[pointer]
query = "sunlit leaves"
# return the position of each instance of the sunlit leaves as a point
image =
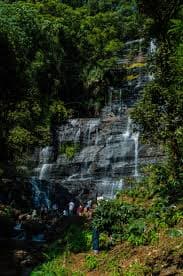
(20, 138)
(159, 111)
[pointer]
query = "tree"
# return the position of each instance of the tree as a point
(159, 111)
(55, 53)
(30, 54)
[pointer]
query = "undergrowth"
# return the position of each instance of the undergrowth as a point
(144, 216)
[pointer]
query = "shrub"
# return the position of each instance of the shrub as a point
(136, 269)
(138, 232)
(69, 149)
(52, 268)
(91, 262)
(77, 239)
(112, 216)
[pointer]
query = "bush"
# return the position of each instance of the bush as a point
(112, 216)
(91, 262)
(77, 239)
(138, 214)
(136, 269)
(69, 149)
(138, 232)
(52, 268)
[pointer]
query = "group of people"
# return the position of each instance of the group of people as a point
(53, 213)
(72, 208)
(81, 210)
(86, 211)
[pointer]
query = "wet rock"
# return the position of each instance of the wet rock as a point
(106, 148)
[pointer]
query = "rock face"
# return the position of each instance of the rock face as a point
(106, 150)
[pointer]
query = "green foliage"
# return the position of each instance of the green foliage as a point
(138, 213)
(91, 262)
(70, 152)
(54, 51)
(77, 239)
(7, 212)
(163, 97)
(175, 232)
(160, 12)
(136, 269)
(19, 138)
(29, 43)
(51, 269)
(112, 211)
(138, 232)
(104, 241)
(69, 149)
(55, 268)
(158, 180)
(58, 112)
(113, 266)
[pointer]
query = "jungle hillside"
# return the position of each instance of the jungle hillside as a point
(81, 82)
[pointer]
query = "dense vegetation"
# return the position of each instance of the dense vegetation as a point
(57, 59)
(146, 232)
(159, 111)
(54, 52)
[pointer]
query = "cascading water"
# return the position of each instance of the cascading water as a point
(40, 194)
(152, 48)
(135, 137)
(127, 133)
(152, 51)
(109, 150)
(41, 189)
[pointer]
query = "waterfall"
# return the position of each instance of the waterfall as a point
(110, 187)
(116, 186)
(152, 47)
(77, 136)
(121, 102)
(97, 136)
(109, 150)
(150, 76)
(40, 190)
(40, 194)
(45, 155)
(152, 51)
(91, 127)
(127, 133)
(110, 98)
(89, 133)
(44, 171)
(135, 137)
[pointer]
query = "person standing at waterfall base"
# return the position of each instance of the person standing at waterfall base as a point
(71, 208)
(95, 240)
(80, 210)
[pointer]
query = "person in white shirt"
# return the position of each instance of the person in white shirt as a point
(65, 213)
(71, 208)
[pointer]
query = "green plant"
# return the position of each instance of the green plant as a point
(91, 262)
(69, 149)
(113, 216)
(175, 232)
(77, 239)
(77, 273)
(8, 211)
(51, 268)
(140, 232)
(104, 241)
(136, 269)
(113, 267)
